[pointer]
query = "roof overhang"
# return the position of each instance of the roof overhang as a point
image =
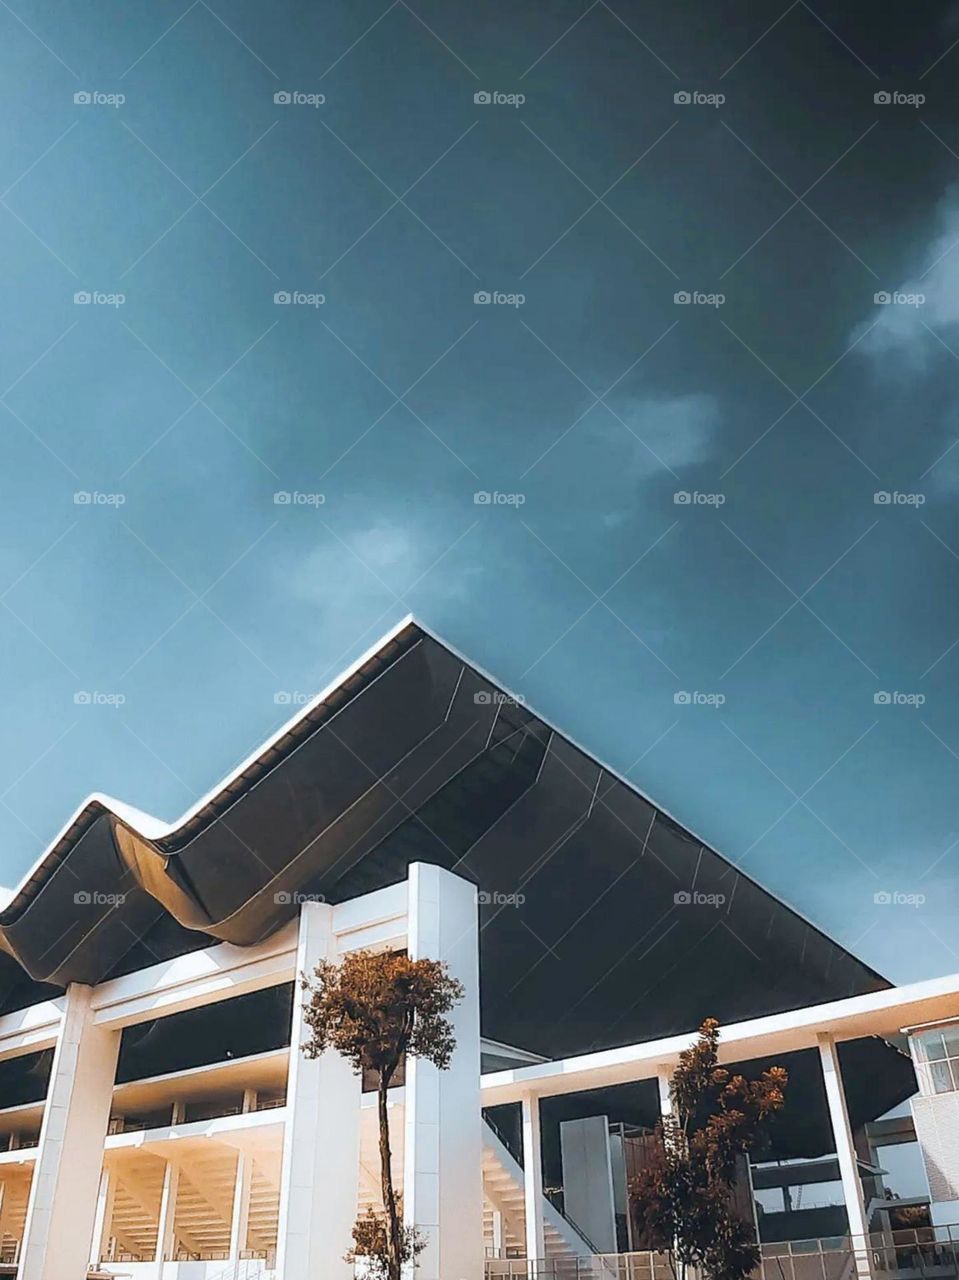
(415, 754)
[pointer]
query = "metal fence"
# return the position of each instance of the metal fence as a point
(913, 1254)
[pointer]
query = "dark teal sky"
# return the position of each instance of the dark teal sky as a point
(187, 602)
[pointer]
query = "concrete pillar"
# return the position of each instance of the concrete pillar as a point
(846, 1154)
(166, 1225)
(442, 1175)
(104, 1217)
(533, 1179)
(62, 1208)
(240, 1220)
(497, 1233)
(321, 1142)
(588, 1198)
(664, 1079)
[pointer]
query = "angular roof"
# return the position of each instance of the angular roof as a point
(414, 754)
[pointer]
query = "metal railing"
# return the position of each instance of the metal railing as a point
(912, 1254)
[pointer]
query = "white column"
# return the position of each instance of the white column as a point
(321, 1142)
(101, 1224)
(240, 1220)
(846, 1153)
(62, 1208)
(664, 1079)
(166, 1234)
(533, 1179)
(443, 1159)
(497, 1233)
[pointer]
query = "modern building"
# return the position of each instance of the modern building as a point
(158, 1120)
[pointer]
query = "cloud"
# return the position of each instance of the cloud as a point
(929, 299)
(676, 430)
(662, 434)
(370, 567)
(663, 431)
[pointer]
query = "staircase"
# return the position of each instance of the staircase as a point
(503, 1192)
(503, 1188)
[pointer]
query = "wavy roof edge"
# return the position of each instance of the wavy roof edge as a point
(357, 676)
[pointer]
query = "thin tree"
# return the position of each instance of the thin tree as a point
(683, 1200)
(377, 1009)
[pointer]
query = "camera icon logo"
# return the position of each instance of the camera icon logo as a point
(483, 898)
(682, 498)
(882, 699)
(483, 98)
(282, 498)
(682, 299)
(82, 98)
(482, 298)
(882, 899)
(682, 698)
(683, 98)
(882, 98)
(882, 298)
(682, 898)
(482, 499)
(282, 899)
(82, 898)
(282, 299)
(82, 298)
(282, 698)
(283, 98)
(882, 499)
(82, 699)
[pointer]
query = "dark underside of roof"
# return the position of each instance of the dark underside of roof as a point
(417, 757)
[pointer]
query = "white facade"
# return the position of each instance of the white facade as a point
(274, 1185)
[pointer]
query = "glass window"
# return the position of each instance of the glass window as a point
(950, 1036)
(941, 1077)
(931, 1046)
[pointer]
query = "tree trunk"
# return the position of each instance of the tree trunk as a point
(394, 1228)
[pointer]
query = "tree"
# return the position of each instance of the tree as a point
(682, 1201)
(376, 1009)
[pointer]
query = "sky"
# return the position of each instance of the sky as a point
(617, 342)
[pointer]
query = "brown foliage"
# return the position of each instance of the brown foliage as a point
(682, 1201)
